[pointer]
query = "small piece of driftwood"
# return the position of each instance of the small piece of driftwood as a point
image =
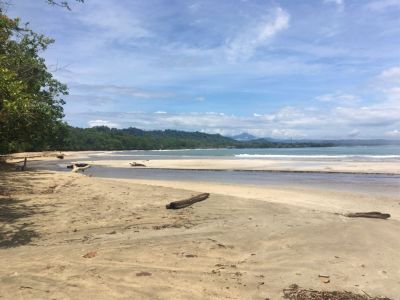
(78, 167)
(187, 202)
(61, 156)
(23, 167)
(135, 164)
(371, 214)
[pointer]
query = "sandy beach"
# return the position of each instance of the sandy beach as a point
(70, 236)
(202, 150)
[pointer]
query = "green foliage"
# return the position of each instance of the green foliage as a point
(104, 138)
(30, 98)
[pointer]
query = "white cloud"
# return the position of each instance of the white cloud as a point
(112, 90)
(380, 5)
(243, 46)
(391, 75)
(109, 124)
(370, 116)
(338, 122)
(388, 82)
(393, 133)
(354, 133)
(113, 20)
(351, 117)
(393, 95)
(339, 3)
(337, 97)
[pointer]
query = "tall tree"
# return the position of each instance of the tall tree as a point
(30, 97)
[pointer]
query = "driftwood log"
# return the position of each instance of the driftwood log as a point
(78, 167)
(135, 164)
(371, 214)
(187, 202)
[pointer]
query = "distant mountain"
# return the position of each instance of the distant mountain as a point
(244, 136)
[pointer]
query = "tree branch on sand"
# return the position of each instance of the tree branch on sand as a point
(371, 214)
(187, 202)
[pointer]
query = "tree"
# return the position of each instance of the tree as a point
(30, 98)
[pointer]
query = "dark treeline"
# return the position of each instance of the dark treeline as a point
(104, 138)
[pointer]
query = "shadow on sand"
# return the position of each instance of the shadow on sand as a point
(15, 227)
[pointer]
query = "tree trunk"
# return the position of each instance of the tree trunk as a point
(187, 202)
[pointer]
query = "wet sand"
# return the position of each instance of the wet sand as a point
(306, 164)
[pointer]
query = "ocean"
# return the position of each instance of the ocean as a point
(377, 153)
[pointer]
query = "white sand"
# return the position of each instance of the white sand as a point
(296, 165)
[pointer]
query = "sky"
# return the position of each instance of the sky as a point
(318, 69)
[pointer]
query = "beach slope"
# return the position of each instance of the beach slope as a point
(67, 236)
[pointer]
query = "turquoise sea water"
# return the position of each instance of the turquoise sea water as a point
(345, 152)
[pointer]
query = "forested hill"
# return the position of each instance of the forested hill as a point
(104, 138)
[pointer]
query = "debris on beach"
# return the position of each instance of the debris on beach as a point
(78, 167)
(90, 254)
(324, 278)
(294, 292)
(372, 214)
(135, 164)
(23, 167)
(143, 274)
(187, 202)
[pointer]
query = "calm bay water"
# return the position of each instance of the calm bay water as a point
(388, 185)
(362, 183)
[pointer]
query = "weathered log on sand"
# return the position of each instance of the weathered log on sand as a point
(371, 214)
(135, 164)
(76, 168)
(187, 202)
(79, 165)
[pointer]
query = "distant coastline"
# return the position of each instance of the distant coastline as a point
(104, 138)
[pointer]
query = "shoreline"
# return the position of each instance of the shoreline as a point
(265, 165)
(298, 165)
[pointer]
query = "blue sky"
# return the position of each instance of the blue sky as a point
(301, 69)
